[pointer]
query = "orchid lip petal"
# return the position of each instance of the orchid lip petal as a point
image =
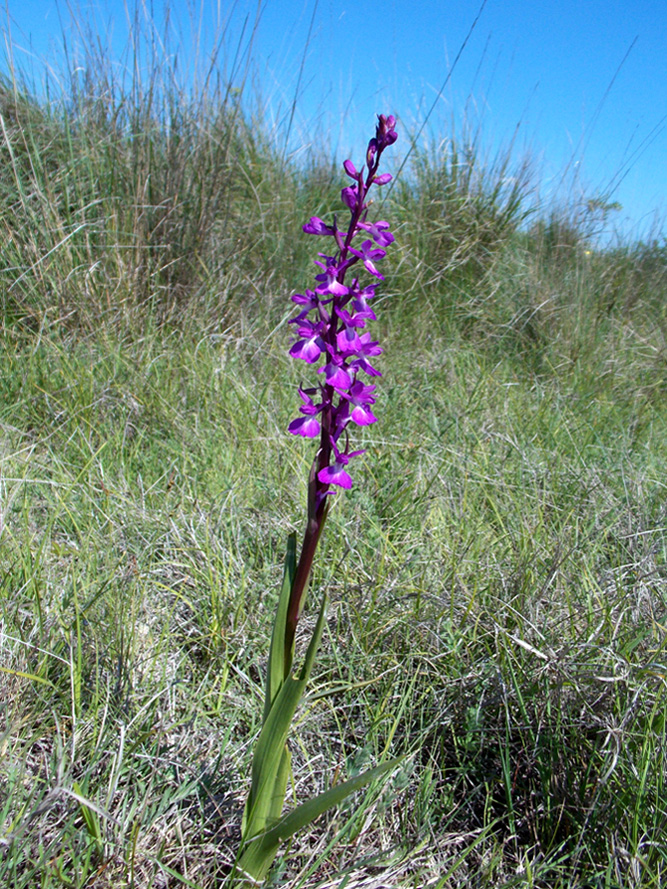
(306, 426)
(338, 477)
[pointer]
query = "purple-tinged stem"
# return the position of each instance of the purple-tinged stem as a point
(318, 507)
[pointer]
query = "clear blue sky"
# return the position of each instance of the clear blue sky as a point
(585, 82)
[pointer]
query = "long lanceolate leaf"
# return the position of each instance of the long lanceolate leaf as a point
(275, 677)
(267, 773)
(278, 669)
(259, 854)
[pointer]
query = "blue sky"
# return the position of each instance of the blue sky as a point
(580, 86)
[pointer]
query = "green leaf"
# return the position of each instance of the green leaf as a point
(314, 643)
(258, 856)
(277, 670)
(271, 742)
(280, 786)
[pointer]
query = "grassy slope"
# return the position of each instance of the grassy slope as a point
(497, 575)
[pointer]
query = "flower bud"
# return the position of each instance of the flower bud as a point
(317, 226)
(349, 196)
(350, 169)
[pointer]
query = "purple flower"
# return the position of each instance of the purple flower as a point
(369, 254)
(366, 366)
(356, 320)
(385, 133)
(336, 473)
(329, 282)
(317, 227)
(309, 299)
(347, 341)
(307, 425)
(335, 371)
(368, 347)
(311, 346)
(359, 399)
(360, 301)
(350, 169)
(379, 231)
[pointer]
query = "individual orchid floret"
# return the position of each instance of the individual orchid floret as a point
(336, 474)
(385, 133)
(317, 227)
(307, 425)
(308, 299)
(348, 341)
(379, 231)
(362, 313)
(329, 282)
(366, 348)
(351, 170)
(362, 364)
(336, 372)
(312, 345)
(360, 301)
(356, 320)
(359, 399)
(369, 254)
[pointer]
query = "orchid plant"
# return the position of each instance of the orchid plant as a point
(330, 328)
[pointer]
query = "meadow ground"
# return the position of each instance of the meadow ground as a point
(497, 575)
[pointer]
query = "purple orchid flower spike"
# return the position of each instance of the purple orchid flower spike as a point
(330, 331)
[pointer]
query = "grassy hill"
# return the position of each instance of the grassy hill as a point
(497, 575)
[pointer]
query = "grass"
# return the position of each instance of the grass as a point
(497, 575)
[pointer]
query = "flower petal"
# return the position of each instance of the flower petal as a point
(309, 427)
(335, 475)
